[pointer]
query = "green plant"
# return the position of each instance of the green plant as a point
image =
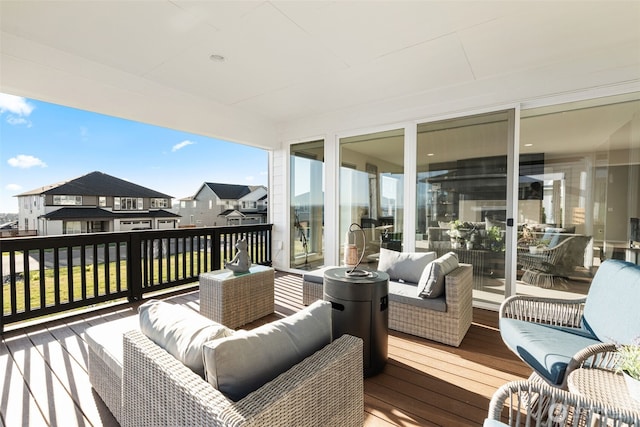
(629, 359)
(494, 238)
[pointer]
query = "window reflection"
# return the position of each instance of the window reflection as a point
(372, 189)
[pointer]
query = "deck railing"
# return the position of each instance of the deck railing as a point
(47, 275)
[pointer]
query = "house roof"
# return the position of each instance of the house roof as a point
(102, 214)
(96, 184)
(228, 191)
(231, 212)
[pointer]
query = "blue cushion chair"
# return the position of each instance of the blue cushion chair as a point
(556, 336)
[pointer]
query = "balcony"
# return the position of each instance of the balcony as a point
(45, 379)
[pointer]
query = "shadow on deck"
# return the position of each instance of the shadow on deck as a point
(424, 383)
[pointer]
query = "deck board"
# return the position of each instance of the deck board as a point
(45, 379)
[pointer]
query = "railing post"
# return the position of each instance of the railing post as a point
(134, 267)
(215, 250)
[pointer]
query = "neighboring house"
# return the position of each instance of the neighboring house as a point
(95, 202)
(224, 204)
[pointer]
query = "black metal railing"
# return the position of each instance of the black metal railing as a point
(47, 275)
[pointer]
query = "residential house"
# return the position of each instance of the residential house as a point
(416, 112)
(95, 202)
(224, 204)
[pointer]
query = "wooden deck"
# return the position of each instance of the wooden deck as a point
(45, 382)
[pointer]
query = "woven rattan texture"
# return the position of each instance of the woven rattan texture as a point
(531, 403)
(448, 327)
(603, 385)
(106, 383)
(235, 300)
(326, 389)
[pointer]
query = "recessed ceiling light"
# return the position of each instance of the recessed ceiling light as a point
(430, 154)
(217, 58)
(528, 145)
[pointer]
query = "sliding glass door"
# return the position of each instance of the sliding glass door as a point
(307, 205)
(462, 195)
(372, 190)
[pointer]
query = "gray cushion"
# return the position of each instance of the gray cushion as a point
(315, 276)
(242, 363)
(407, 266)
(106, 341)
(405, 293)
(431, 283)
(180, 331)
(546, 348)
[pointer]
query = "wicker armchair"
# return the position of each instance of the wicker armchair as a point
(556, 336)
(529, 403)
(560, 313)
(325, 389)
(559, 261)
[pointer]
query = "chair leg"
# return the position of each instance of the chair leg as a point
(538, 278)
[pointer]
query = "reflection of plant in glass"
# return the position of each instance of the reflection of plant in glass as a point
(494, 238)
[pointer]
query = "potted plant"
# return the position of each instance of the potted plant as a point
(629, 365)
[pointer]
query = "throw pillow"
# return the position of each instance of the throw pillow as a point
(431, 283)
(180, 331)
(406, 266)
(243, 362)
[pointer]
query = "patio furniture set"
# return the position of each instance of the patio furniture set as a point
(572, 347)
(172, 366)
(445, 316)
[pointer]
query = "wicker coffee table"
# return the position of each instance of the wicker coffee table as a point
(234, 299)
(602, 385)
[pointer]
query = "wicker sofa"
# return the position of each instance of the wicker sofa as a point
(446, 319)
(144, 384)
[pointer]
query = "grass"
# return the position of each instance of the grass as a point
(102, 286)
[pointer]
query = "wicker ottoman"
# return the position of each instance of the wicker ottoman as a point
(312, 282)
(104, 343)
(237, 299)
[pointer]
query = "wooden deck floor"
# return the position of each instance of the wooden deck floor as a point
(45, 382)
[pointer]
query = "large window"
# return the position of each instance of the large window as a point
(372, 189)
(67, 200)
(159, 203)
(128, 203)
(462, 193)
(589, 191)
(307, 205)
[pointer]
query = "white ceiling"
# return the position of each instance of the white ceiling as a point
(298, 68)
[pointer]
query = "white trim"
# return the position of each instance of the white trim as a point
(331, 199)
(410, 184)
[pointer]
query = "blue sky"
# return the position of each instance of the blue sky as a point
(42, 143)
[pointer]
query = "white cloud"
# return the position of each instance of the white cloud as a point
(181, 145)
(249, 178)
(13, 187)
(13, 120)
(15, 105)
(24, 161)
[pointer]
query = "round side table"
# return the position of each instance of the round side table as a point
(602, 385)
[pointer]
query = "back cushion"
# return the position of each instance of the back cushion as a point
(431, 283)
(242, 363)
(612, 310)
(407, 266)
(180, 331)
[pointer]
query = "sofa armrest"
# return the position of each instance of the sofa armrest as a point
(326, 387)
(459, 288)
(561, 312)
